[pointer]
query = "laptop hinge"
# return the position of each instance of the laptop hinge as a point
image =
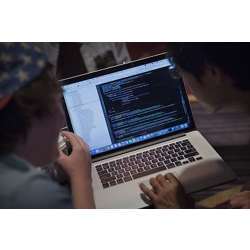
(121, 152)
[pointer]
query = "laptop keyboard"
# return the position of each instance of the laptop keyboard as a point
(149, 162)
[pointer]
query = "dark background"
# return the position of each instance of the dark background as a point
(70, 61)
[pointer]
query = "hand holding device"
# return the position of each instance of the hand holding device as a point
(77, 166)
(78, 163)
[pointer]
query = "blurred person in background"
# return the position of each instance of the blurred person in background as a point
(219, 76)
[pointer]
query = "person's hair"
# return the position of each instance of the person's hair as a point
(232, 58)
(33, 101)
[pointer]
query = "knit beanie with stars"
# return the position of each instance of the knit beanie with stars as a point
(20, 63)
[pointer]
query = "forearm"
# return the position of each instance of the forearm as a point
(82, 192)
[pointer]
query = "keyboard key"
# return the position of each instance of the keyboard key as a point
(173, 160)
(151, 171)
(99, 168)
(126, 174)
(160, 164)
(167, 162)
(125, 159)
(105, 185)
(125, 165)
(121, 171)
(114, 173)
(171, 165)
(119, 176)
(199, 158)
(191, 159)
(109, 179)
(103, 181)
(105, 165)
(128, 178)
(112, 164)
(191, 154)
(178, 163)
(190, 151)
(154, 165)
(117, 167)
(103, 172)
(119, 181)
(167, 157)
(133, 172)
(180, 158)
(128, 168)
(106, 175)
(112, 183)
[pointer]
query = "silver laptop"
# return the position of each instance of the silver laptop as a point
(137, 122)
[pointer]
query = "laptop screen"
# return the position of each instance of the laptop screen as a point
(126, 107)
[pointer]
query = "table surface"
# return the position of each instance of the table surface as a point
(229, 133)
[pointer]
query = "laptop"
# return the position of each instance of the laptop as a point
(137, 121)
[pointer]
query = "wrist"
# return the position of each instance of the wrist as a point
(81, 177)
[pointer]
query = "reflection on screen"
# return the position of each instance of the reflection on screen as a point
(126, 107)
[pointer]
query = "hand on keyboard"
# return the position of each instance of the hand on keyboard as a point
(145, 163)
(166, 192)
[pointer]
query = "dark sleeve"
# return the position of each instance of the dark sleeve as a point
(40, 191)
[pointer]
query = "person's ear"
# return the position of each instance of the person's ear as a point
(213, 74)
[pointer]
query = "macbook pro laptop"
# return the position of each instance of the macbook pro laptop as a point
(137, 121)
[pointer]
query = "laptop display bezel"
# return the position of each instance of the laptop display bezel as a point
(109, 70)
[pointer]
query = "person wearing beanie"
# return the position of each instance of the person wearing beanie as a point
(31, 116)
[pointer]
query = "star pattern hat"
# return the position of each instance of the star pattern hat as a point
(20, 63)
